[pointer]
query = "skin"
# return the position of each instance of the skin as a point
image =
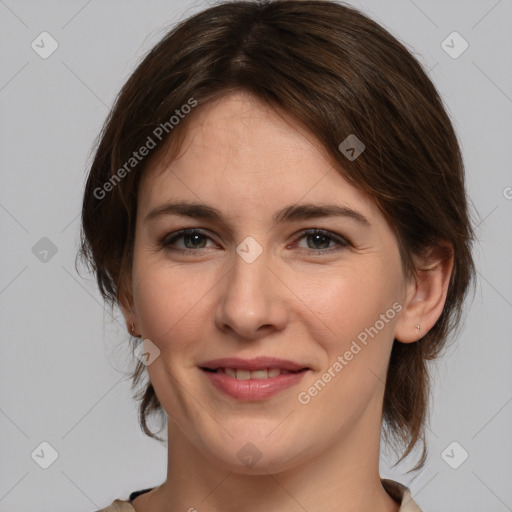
(293, 302)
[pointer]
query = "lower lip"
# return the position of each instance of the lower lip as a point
(253, 389)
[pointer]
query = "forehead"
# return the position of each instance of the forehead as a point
(240, 152)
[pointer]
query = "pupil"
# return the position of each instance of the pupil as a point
(194, 236)
(316, 236)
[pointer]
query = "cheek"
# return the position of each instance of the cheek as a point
(353, 300)
(168, 302)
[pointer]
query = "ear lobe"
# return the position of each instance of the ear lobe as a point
(426, 293)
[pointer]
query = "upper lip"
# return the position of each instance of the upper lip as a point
(257, 363)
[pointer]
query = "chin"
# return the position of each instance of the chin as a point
(256, 457)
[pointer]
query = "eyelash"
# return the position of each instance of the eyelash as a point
(342, 242)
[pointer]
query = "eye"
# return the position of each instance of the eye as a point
(192, 238)
(320, 239)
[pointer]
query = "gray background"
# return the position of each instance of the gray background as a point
(63, 357)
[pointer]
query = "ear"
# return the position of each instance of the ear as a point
(425, 293)
(125, 300)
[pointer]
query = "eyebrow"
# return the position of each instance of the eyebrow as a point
(289, 213)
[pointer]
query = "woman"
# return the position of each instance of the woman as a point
(277, 205)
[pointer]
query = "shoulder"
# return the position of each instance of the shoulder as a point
(118, 506)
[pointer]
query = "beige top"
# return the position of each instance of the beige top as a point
(396, 490)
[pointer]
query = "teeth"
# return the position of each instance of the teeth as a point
(255, 374)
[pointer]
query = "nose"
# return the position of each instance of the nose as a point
(252, 300)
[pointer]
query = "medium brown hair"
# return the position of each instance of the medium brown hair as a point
(336, 72)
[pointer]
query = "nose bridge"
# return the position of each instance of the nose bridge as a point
(250, 298)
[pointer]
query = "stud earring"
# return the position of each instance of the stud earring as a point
(418, 328)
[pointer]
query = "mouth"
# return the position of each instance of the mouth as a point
(258, 378)
(255, 379)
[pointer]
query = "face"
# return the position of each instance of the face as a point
(266, 277)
